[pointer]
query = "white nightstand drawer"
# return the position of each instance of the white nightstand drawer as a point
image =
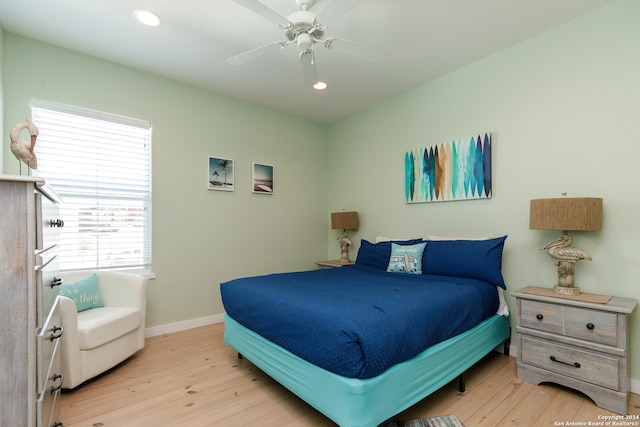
(592, 325)
(541, 316)
(586, 366)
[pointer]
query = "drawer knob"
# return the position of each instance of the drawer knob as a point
(56, 223)
(56, 332)
(590, 326)
(57, 377)
(574, 364)
(56, 282)
(539, 316)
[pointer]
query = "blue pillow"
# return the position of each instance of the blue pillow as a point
(406, 258)
(377, 255)
(85, 293)
(477, 259)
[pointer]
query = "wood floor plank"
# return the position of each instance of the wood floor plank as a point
(528, 411)
(192, 378)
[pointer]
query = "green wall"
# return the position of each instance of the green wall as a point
(564, 112)
(200, 237)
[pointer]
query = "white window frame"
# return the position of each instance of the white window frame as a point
(100, 165)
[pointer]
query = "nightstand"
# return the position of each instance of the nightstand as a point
(332, 264)
(576, 343)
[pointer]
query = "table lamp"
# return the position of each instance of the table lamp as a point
(344, 221)
(566, 214)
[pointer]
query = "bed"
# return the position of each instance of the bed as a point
(361, 343)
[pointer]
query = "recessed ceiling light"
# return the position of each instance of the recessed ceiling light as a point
(148, 17)
(320, 86)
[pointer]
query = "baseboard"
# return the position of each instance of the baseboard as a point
(183, 326)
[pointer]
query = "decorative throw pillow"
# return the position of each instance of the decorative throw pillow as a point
(406, 258)
(377, 255)
(477, 259)
(85, 293)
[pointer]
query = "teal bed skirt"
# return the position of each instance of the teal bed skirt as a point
(352, 402)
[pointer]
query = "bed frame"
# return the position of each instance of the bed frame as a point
(352, 402)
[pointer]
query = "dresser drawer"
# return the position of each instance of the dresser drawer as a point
(49, 223)
(49, 408)
(49, 397)
(592, 325)
(48, 337)
(541, 316)
(47, 280)
(583, 365)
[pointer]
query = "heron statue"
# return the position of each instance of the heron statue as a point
(565, 255)
(24, 150)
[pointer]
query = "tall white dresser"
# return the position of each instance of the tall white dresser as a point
(30, 378)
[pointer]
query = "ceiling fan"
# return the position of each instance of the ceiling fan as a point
(303, 29)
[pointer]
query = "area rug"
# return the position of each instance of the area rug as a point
(444, 421)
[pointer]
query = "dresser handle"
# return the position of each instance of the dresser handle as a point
(57, 281)
(590, 326)
(58, 424)
(56, 223)
(539, 316)
(57, 377)
(574, 364)
(55, 335)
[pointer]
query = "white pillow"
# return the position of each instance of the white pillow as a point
(457, 238)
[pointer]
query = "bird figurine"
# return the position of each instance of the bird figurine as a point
(22, 149)
(565, 256)
(561, 250)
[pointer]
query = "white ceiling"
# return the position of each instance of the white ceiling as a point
(424, 39)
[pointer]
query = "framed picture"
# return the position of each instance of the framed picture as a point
(454, 170)
(262, 179)
(221, 174)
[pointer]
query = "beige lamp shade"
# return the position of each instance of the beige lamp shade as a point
(344, 220)
(566, 214)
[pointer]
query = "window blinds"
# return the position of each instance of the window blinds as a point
(100, 165)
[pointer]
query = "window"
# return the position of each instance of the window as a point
(100, 165)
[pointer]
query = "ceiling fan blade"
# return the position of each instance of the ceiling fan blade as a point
(266, 12)
(355, 49)
(334, 10)
(309, 73)
(256, 53)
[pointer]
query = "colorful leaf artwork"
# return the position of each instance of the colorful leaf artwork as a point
(456, 170)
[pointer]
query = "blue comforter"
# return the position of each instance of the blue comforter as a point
(357, 321)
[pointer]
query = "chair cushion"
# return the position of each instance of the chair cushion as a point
(98, 326)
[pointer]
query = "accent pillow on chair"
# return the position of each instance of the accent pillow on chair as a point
(85, 293)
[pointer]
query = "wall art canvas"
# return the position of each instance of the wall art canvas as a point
(262, 179)
(221, 174)
(455, 170)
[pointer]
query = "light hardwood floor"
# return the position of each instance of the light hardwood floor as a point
(193, 379)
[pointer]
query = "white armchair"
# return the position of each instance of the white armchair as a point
(98, 339)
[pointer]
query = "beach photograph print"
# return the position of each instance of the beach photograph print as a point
(262, 178)
(220, 174)
(456, 170)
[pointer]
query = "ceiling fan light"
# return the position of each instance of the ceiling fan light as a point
(304, 41)
(148, 17)
(320, 86)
